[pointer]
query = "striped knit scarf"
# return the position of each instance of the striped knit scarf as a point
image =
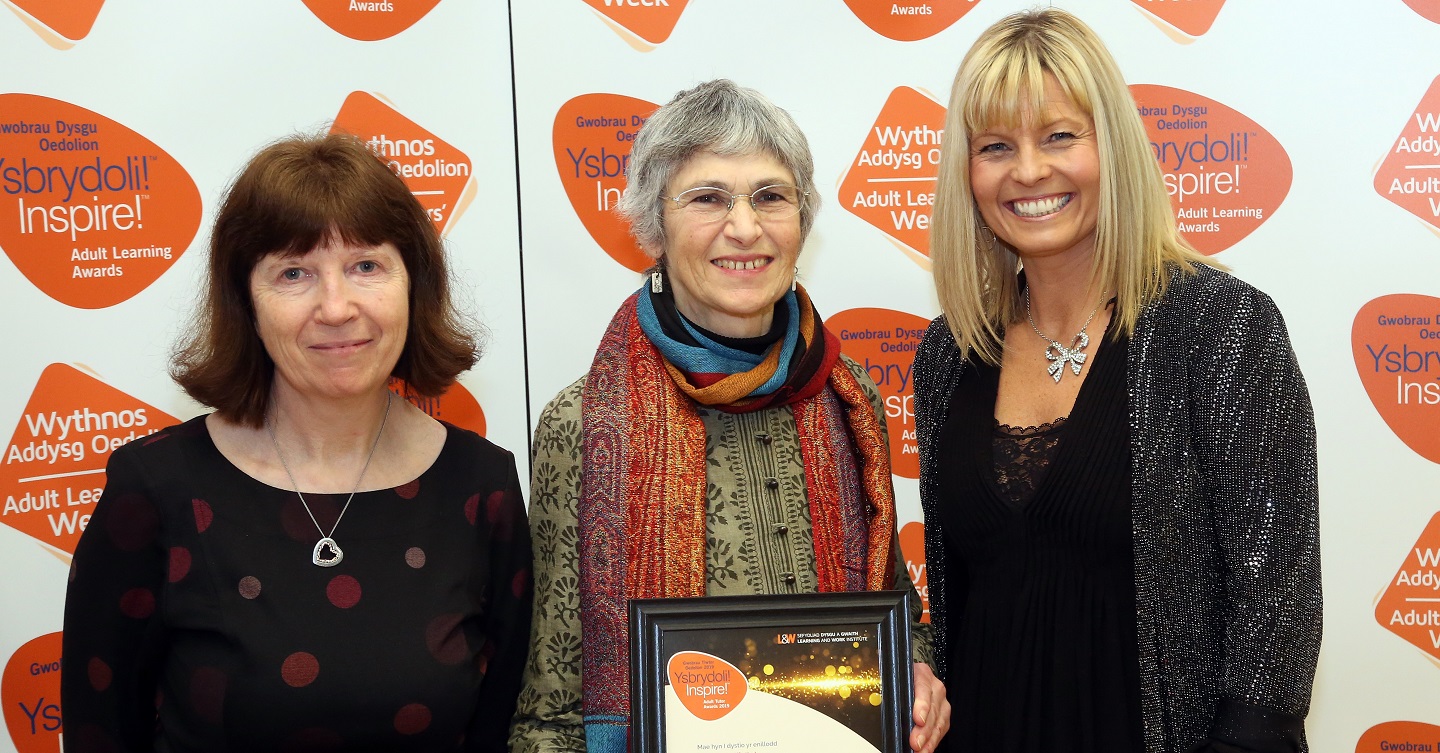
(642, 494)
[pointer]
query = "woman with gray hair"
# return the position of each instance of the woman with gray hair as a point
(720, 443)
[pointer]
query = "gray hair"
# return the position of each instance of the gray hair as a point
(720, 117)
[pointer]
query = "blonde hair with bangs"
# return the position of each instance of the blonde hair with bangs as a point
(1001, 81)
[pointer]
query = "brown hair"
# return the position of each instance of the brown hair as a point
(292, 197)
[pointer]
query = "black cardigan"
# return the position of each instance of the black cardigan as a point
(1224, 508)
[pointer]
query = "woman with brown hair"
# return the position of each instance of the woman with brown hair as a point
(316, 565)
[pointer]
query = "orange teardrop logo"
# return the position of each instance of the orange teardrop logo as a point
(1409, 176)
(1410, 605)
(455, 405)
(709, 687)
(592, 137)
(30, 690)
(438, 174)
(61, 23)
(1225, 174)
(883, 342)
(54, 467)
(912, 546)
(1430, 9)
(1396, 344)
(1183, 22)
(909, 21)
(91, 212)
(368, 20)
(1394, 736)
(643, 24)
(891, 184)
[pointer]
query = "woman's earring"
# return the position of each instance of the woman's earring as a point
(657, 281)
(987, 235)
(794, 281)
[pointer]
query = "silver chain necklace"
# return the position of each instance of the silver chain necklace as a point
(1058, 355)
(319, 555)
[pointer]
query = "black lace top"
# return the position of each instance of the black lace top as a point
(1022, 455)
(1042, 599)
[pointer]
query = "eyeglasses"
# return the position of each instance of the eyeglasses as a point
(708, 203)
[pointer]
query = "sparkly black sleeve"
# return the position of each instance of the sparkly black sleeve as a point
(938, 365)
(1254, 434)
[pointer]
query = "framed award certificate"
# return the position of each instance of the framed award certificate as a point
(771, 674)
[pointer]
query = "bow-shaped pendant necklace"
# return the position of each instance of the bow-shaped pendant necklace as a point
(1058, 355)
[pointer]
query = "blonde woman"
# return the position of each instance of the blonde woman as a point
(1117, 446)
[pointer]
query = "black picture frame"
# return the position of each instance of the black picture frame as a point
(885, 614)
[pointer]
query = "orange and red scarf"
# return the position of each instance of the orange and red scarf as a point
(642, 498)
